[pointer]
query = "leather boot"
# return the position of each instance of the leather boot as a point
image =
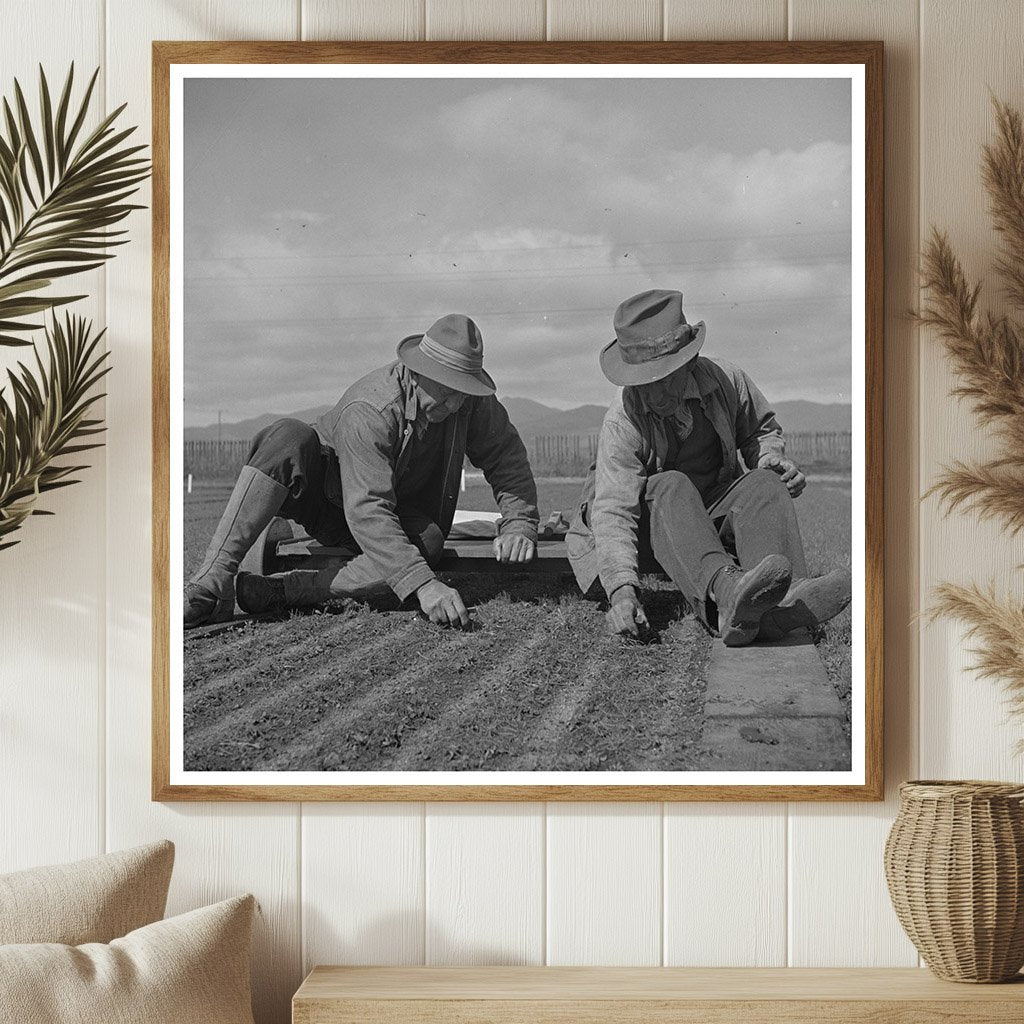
(255, 500)
(300, 588)
(259, 594)
(744, 597)
(809, 602)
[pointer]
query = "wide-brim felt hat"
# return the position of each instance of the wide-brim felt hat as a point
(451, 353)
(652, 339)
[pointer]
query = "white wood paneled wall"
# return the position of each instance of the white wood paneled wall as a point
(741, 884)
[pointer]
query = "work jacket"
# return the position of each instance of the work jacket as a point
(634, 444)
(371, 430)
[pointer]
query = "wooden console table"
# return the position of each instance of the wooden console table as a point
(646, 995)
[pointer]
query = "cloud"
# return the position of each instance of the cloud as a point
(535, 207)
(299, 217)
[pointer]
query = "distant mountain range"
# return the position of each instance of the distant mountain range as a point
(533, 419)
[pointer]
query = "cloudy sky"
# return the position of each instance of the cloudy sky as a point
(327, 219)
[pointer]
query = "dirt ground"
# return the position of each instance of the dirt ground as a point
(535, 685)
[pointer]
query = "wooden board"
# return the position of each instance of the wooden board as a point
(337, 995)
(461, 555)
(725, 894)
(965, 728)
(362, 884)
(605, 875)
(363, 19)
(485, 19)
(726, 19)
(221, 850)
(771, 707)
(485, 876)
(583, 19)
(56, 804)
(725, 885)
(870, 934)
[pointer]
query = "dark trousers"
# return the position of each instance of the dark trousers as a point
(291, 452)
(753, 519)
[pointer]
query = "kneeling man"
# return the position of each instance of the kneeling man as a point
(379, 475)
(668, 483)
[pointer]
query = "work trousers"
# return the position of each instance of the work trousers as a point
(753, 519)
(291, 452)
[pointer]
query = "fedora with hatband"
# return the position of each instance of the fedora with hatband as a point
(652, 338)
(451, 353)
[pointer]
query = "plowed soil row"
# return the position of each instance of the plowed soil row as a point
(536, 685)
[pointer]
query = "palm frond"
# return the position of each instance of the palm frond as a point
(45, 418)
(61, 195)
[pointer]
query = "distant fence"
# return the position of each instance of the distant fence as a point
(553, 454)
(215, 460)
(572, 455)
(830, 448)
(563, 455)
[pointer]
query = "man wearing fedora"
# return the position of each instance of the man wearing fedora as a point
(669, 483)
(379, 474)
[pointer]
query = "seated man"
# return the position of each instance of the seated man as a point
(380, 475)
(668, 482)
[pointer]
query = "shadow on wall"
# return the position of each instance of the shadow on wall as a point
(398, 939)
(393, 940)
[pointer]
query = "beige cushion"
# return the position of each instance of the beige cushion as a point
(93, 900)
(191, 969)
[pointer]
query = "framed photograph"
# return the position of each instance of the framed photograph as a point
(517, 421)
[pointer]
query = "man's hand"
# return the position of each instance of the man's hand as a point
(794, 480)
(627, 615)
(512, 547)
(442, 604)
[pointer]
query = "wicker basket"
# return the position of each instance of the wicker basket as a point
(954, 861)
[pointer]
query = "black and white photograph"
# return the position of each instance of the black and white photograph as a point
(517, 425)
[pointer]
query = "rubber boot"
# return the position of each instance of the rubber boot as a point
(255, 500)
(744, 597)
(809, 602)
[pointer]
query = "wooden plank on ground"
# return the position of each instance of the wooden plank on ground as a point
(463, 555)
(473, 555)
(771, 707)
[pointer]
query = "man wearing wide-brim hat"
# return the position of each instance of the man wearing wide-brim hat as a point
(380, 476)
(669, 483)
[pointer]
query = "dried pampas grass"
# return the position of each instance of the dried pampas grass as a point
(987, 354)
(997, 628)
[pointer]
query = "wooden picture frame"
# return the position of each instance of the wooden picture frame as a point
(172, 60)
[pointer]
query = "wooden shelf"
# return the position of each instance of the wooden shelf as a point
(631, 995)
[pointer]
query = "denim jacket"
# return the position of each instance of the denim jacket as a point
(602, 539)
(370, 430)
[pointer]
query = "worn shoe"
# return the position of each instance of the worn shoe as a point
(203, 606)
(259, 594)
(744, 597)
(808, 603)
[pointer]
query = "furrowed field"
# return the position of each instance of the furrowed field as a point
(535, 685)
